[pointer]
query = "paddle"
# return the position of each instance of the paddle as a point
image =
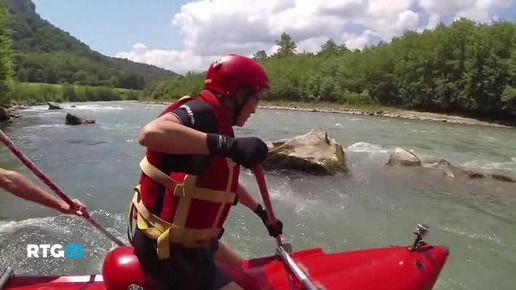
(9, 144)
(258, 173)
(281, 250)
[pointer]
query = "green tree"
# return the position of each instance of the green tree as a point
(260, 56)
(6, 71)
(329, 47)
(287, 47)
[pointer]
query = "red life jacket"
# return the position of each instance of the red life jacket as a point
(194, 207)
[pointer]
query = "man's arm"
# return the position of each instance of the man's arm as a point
(245, 198)
(166, 134)
(22, 187)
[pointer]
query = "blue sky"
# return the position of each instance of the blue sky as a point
(109, 27)
(206, 29)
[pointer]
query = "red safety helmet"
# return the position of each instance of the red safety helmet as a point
(229, 73)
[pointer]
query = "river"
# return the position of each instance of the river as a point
(375, 206)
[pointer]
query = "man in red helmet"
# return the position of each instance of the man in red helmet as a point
(189, 178)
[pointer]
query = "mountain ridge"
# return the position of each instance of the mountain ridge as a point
(45, 53)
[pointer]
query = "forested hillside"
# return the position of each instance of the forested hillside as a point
(464, 68)
(43, 53)
(5, 58)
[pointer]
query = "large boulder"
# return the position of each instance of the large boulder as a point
(312, 153)
(4, 115)
(53, 106)
(74, 120)
(403, 157)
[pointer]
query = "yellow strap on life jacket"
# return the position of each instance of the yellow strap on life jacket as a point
(185, 97)
(200, 193)
(165, 232)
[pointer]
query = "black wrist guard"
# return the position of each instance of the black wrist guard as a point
(217, 144)
(259, 211)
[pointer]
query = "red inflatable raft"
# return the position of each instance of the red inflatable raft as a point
(414, 267)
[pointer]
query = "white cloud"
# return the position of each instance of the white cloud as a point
(177, 61)
(482, 9)
(357, 42)
(211, 28)
(407, 20)
(433, 20)
(478, 10)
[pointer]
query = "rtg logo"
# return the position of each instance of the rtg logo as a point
(71, 251)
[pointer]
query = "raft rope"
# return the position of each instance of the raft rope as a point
(281, 250)
(9, 144)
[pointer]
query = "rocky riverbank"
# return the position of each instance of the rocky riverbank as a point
(410, 115)
(7, 114)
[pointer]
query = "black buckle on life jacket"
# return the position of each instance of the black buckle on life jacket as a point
(235, 201)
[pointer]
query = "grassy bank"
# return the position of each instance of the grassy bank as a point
(40, 93)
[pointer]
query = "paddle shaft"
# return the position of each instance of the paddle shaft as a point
(258, 173)
(280, 250)
(301, 277)
(14, 149)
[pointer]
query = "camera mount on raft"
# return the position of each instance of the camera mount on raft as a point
(421, 232)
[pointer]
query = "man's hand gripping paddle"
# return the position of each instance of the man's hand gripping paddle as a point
(282, 250)
(258, 173)
(9, 144)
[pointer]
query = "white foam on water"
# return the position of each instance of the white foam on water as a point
(97, 107)
(12, 226)
(283, 192)
(35, 108)
(60, 229)
(54, 112)
(484, 237)
(120, 127)
(488, 165)
(421, 131)
(367, 147)
(47, 126)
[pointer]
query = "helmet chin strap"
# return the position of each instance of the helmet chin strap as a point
(238, 107)
(237, 111)
(231, 105)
